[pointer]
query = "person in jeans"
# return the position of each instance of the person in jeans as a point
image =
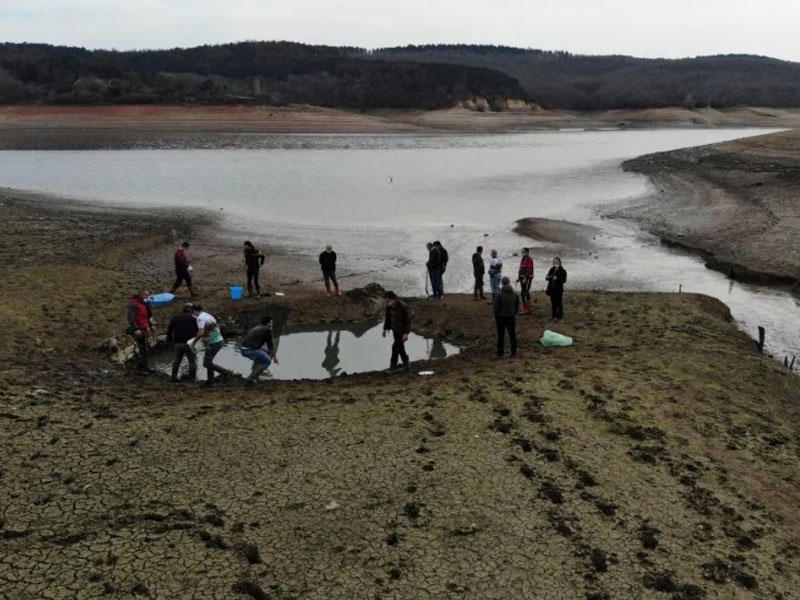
(478, 269)
(253, 260)
(495, 271)
(506, 306)
(434, 265)
(181, 329)
(252, 347)
(398, 321)
(327, 261)
(208, 331)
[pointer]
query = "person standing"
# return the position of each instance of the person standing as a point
(327, 261)
(253, 260)
(556, 278)
(525, 279)
(182, 270)
(181, 329)
(139, 325)
(253, 347)
(398, 321)
(495, 271)
(506, 306)
(208, 331)
(478, 269)
(434, 265)
(443, 258)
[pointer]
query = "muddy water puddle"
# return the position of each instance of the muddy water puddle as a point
(320, 353)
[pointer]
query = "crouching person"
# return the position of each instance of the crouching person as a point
(182, 329)
(253, 348)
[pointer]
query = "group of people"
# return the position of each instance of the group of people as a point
(506, 302)
(194, 328)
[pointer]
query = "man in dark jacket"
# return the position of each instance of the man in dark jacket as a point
(252, 347)
(327, 260)
(443, 258)
(398, 321)
(181, 329)
(478, 269)
(506, 306)
(254, 260)
(434, 265)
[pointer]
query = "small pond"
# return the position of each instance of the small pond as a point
(321, 352)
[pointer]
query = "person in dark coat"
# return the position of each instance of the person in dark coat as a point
(327, 260)
(506, 306)
(181, 329)
(434, 265)
(398, 321)
(556, 278)
(478, 269)
(254, 260)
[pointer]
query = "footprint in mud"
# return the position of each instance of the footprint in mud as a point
(550, 491)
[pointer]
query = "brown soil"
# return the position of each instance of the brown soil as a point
(735, 202)
(657, 457)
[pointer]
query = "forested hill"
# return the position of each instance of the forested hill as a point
(426, 77)
(564, 80)
(257, 72)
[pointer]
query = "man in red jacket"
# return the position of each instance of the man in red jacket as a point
(139, 326)
(525, 279)
(182, 269)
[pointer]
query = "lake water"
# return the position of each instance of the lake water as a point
(379, 198)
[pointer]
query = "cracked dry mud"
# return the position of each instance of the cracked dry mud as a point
(656, 458)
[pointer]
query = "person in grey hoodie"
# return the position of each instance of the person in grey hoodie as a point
(506, 306)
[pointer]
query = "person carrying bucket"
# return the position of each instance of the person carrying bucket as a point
(252, 347)
(254, 260)
(182, 270)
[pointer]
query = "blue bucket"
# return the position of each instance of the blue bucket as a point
(236, 292)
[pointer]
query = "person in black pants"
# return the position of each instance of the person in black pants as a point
(254, 260)
(398, 321)
(181, 329)
(478, 269)
(327, 261)
(506, 306)
(556, 278)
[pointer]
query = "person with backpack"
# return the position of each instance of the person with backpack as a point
(254, 260)
(434, 266)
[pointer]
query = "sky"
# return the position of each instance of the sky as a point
(643, 28)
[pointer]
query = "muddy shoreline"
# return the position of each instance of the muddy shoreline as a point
(734, 204)
(631, 472)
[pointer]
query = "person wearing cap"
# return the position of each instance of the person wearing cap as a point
(181, 329)
(254, 260)
(398, 321)
(327, 260)
(208, 331)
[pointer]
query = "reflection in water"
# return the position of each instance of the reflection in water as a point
(355, 348)
(331, 361)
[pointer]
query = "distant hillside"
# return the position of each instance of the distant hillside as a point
(424, 77)
(563, 80)
(274, 73)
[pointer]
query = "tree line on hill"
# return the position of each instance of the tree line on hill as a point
(426, 77)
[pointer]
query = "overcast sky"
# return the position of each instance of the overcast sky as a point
(646, 28)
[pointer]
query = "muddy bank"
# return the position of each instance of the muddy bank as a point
(734, 203)
(97, 127)
(631, 472)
